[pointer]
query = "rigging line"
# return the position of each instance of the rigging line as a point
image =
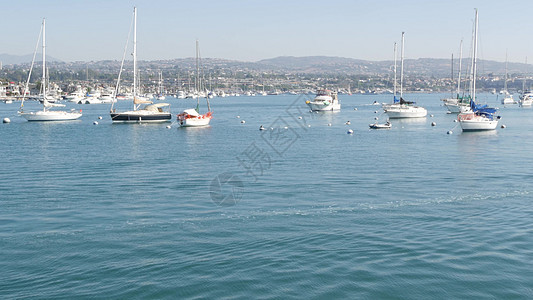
(117, 87)
(31, 68)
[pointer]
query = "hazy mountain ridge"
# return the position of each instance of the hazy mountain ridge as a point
(10, 59)
(438, 67)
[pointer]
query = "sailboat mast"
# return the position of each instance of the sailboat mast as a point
(401, 67)
(395, 56)
(505, 82)
(474, 72)
(472, 60)
(460, 64)
(134, 57)
(43, 80)
(452, 76)
(197, 77)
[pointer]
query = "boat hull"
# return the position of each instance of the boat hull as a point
(379, 126)
(404, 112)
(42, 116)
(139, 117)
(455, 108)
(194, 122)
(320, 106)
(472, 122)
(472, 125)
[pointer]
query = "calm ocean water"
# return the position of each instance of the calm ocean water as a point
(307, 211)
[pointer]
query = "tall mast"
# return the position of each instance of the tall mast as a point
(452, 75)
(43, 80)
(505, 82)
(524, 81)
(197, 77)
(395, 56)
(474, 72)
(472, 59)
(401, 68)
(134, 57)
(460, 64)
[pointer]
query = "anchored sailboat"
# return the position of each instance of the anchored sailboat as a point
(477, 117)
(192, 117)
(151, 112)
(401, 108)
(46, 114)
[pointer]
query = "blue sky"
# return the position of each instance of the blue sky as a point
(251, 30)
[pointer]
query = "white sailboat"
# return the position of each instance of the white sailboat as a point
(507, 97)
(402, 108)
(459, 103)
(160, 95)
(192, 117)
(526, 99)
(151, 112)
(46, 114)
(477, 118)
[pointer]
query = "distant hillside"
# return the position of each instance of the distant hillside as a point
(9, 59)
(421, 66)
(437, 67)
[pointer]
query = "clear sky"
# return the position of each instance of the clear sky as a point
(252, 30)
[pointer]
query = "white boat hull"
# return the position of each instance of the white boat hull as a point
(456, 108)
(526, 102)
(471, 122)
(51, 115)
(320, 106)
(404, 111)
(194, 122)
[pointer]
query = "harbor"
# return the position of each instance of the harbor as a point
(168, 173)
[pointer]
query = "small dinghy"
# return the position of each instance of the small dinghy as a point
(381, 126)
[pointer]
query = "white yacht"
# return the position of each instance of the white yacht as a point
(325, 100)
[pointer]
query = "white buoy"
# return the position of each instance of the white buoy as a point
(355, 108)
(349, 131)
(99, 117)
(286, 127)
(431, 116)
(448, 112)
(376, 112)
(238, 117)
(95, 123)
(262, 128)
(6, 120)
(375, 118)
(455, 120)
(449, 132)
(299, 118)
(308, 125)
(503, 126)
(348, 123)
(329, 124)
(168, 126)
(433, 124)
(242, 121)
